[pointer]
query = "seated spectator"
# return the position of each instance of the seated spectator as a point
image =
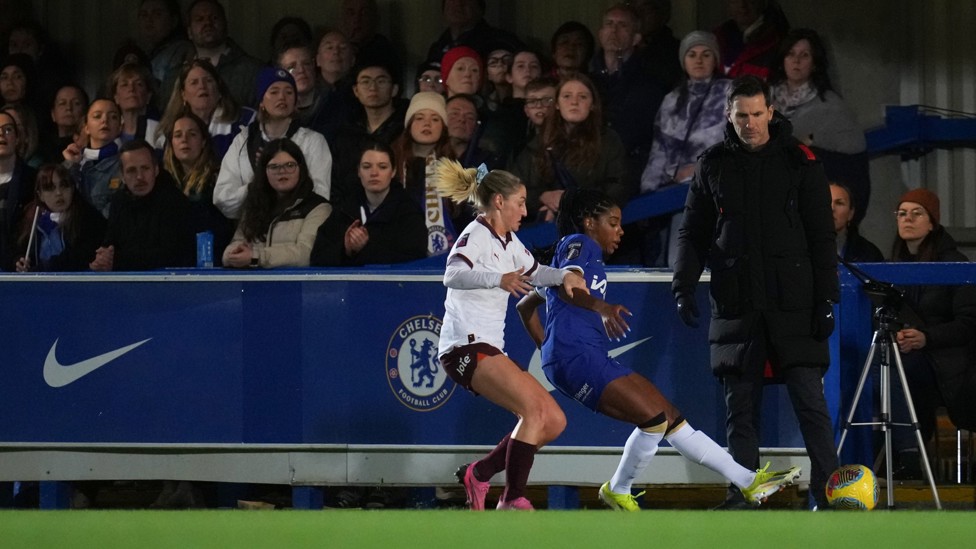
(131, 87)
(321, 107)
(28, 134)
(190, 159)
(802, 91)
(748, 39)
(281, 213)
(462, 126)
(691, 118)
(851, 246)
(298, 59)
(16, 188)
(497, 67)
(67, 114)
(378, 116)
(149, 224)
(207, 30)
(276, 119)
(526, 67)
(18, 82)
(94, 160)
(466, 26)
(464, 129)
(200, 89)
(380, 224)
(462, 71)
(936, 355)
(424, 140)
(572, 47)
(286, 32)
(162, 37)
(631, 95)
(359, 21)
(504, 130)
(429, 77)
(334, 58)
(51, 68)
(540, 104)
(574, 150)
(67, 231)
(658, 41)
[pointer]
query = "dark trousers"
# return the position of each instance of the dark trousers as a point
(743, 399)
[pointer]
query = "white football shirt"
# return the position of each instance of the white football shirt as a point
(478, 315)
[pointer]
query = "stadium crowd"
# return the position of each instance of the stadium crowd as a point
(626, 107)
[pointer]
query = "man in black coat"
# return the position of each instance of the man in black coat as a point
(378, 116)
(149, 221)
(758, 211)
(629, 91)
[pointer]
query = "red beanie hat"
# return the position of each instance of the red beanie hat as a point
(928, 199)
(452, 56)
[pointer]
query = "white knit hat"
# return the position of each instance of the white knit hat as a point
(427, 100)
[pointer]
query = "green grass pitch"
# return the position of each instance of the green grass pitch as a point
(461, 529)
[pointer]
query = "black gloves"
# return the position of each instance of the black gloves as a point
(688, 310)
(823, 320)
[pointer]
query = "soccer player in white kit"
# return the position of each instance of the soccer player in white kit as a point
(486, 266)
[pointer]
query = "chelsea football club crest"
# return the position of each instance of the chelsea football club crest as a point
(413, 369)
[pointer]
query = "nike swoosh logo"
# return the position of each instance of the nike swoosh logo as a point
(614, 353)
(59, 375)
(535, 363)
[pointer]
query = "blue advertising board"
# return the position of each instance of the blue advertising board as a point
(300, 358)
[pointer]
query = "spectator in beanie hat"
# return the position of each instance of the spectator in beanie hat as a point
(429, 77)
(462, 71)
(424, 140)
(937, 353)
(277, 110)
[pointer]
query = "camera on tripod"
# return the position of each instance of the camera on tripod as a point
(892, 313)
(892, 309)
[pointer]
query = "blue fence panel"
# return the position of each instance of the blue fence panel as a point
(341, 357)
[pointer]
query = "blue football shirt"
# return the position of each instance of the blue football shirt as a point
(571, 330)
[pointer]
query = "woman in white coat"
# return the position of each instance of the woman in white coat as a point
(276, 120)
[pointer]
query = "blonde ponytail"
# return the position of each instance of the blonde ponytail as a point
(455, 182)
(461, 184)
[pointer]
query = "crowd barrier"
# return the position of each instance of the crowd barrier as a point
(329, 378)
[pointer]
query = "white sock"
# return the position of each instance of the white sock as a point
(698, 447)
(640, 448)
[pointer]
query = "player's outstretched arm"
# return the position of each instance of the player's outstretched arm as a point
(612, 314)
(528, 310)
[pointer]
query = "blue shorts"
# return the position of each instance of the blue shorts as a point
(584, 376)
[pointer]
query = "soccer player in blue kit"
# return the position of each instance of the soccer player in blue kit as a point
(575, 345)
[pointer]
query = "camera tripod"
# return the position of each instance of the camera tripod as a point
(884, 339)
